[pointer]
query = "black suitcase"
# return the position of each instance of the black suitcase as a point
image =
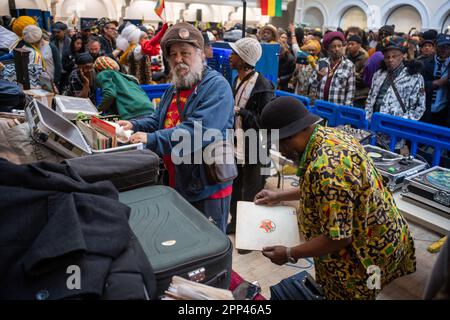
(177, 238)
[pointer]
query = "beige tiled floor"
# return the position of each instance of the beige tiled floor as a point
(255, 267)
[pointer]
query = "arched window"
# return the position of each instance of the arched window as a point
(446, 24)
(353, 17)
(404, 18)
(314, 18)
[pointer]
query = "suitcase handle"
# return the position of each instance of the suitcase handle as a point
(218, 278)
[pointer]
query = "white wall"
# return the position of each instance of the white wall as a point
(85, 8)
(140, 8)
(432, 12)
(4, 8)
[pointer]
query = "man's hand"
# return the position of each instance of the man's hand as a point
(127, 125)
(292, 28)
(267, 197)
(116, 53)
(139, 137)
(439, 83)
(237, 109)
(84, 78)
(276, 254)
(322, 73)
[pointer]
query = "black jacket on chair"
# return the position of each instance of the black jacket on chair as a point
(52, 220)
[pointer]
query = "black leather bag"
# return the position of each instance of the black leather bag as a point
(220, 163)
(127, 170)
(297, 287)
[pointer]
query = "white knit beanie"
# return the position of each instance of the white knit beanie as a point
(32, 34)
(248, 49)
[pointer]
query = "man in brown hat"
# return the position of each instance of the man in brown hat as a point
(199, 98)
(268, 34)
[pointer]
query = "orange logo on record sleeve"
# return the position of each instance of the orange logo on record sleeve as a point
(268, 226)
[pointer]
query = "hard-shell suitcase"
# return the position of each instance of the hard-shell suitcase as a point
(177, 238)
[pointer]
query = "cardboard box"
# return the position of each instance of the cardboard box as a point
(43, 96)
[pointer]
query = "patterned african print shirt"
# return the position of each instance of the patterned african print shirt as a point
(342, 196)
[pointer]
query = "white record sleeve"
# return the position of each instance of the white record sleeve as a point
(261, 226)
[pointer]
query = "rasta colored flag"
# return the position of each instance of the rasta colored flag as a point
(159, 8)
(270, 8)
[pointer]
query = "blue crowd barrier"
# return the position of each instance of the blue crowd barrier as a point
(326, 110)
(305, 100)
(221, 63)
(152, 90)
(396, 128)
(267, 64)
(416, 132)
(353, 116)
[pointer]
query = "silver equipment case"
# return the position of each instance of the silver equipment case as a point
(59, 134)
(429, 189)
(394, 167)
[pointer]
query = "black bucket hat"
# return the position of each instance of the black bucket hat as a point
(288, 115)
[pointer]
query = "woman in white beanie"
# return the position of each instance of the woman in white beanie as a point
(252, 91)
(44, 59)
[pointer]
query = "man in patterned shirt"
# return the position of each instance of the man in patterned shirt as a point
(335, 77)
(359, 240)
(398, 87)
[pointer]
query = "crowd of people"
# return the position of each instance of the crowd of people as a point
(400, 74)
(348, 216)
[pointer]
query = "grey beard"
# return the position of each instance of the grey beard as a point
(188, 81)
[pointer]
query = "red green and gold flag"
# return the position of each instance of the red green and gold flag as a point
(159, 7)
(271, 8)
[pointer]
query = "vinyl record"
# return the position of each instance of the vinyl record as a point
(375, 155)
(439, 179)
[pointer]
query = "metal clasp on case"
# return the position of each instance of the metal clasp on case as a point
(442, 197)
(197, 275)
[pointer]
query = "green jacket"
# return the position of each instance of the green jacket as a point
(122, 95)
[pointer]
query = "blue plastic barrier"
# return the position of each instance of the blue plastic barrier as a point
(267, 64)
(306, 101)
(326, 110)
(221, 63)
(152, 90)
(353, 116)
(416, 132)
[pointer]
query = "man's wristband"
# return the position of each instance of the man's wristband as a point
(290, 258)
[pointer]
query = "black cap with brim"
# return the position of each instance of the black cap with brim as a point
(425, 42)
(288, 115)
(298, 126)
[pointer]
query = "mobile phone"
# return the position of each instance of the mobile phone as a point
(246, 291)
(323, 64)
(302, 57)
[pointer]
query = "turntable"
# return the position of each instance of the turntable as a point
(394, 167)
(431, 188)
(361, 135)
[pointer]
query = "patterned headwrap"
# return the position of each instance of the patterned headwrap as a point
(395, 42)
(311, 44)
(105, 63)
